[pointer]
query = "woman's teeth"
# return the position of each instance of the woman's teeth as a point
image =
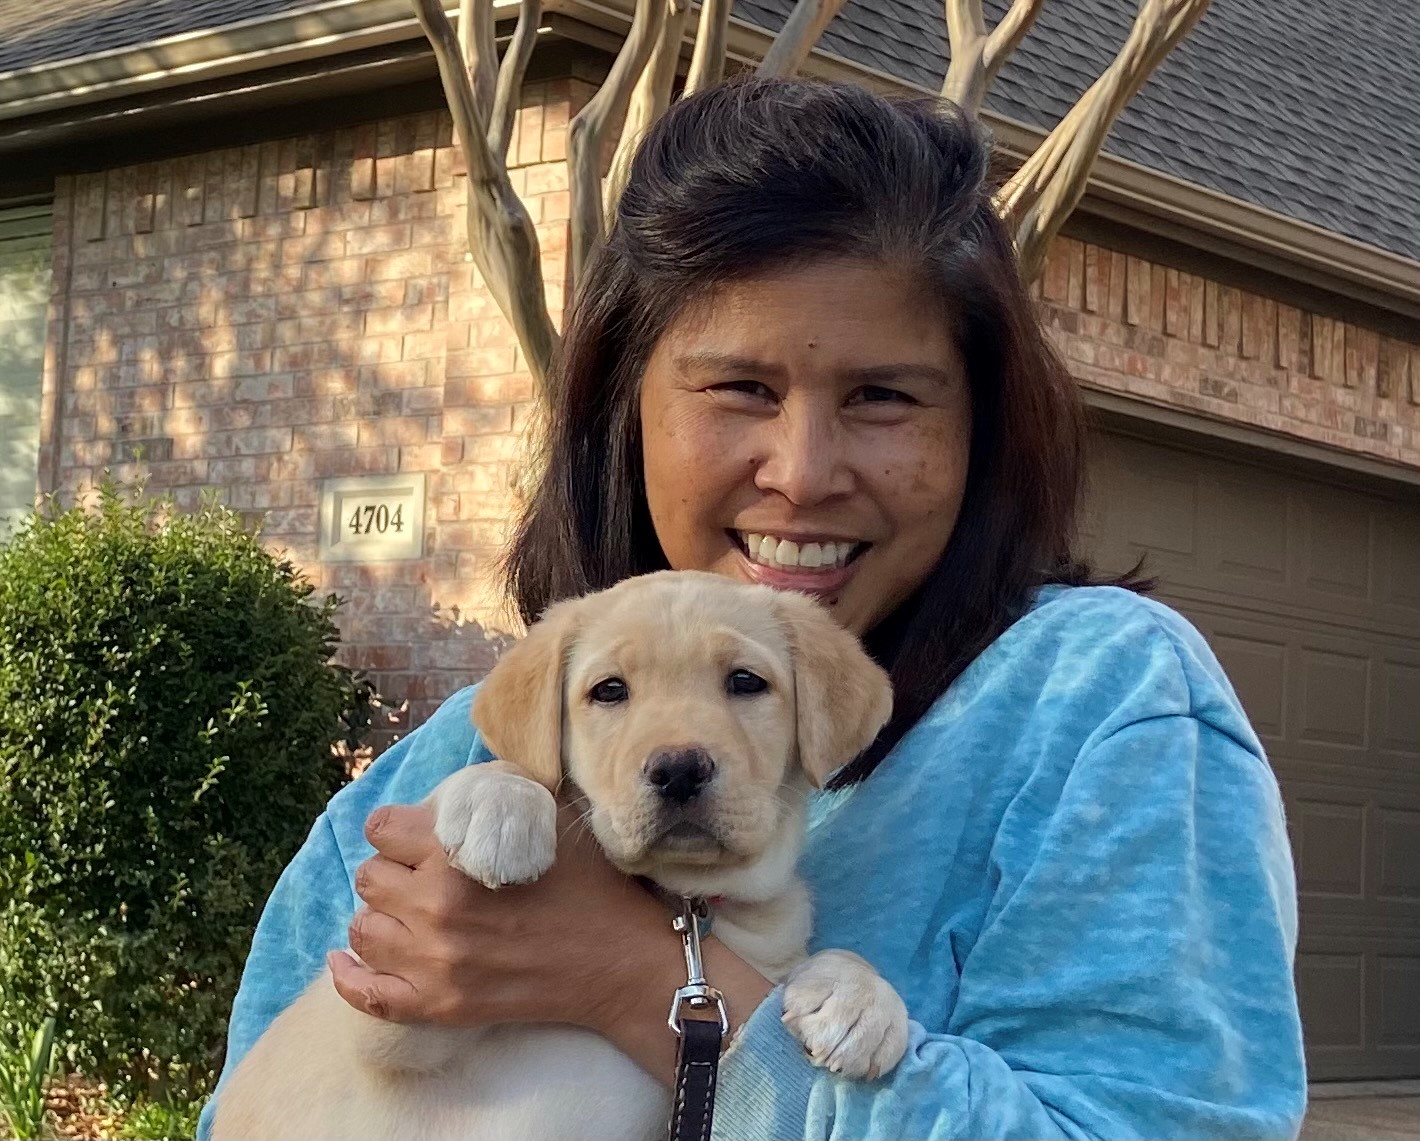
(776, 552)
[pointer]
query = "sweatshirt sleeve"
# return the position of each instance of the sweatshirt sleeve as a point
(1132, 977)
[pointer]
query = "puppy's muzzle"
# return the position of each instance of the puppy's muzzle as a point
(679, 775)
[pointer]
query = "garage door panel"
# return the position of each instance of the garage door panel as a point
(1329, 847)
(1257, 667)
(1400, 539)
(1260, 662)
(1361, 1008)
(1336, 560)
(1334, 699)
(1160, 518)
(1332, 988)
(1398, 1015)
(1347, 698)
(1399, 730)
(1399, 842)
(1309, 594)
(1354, 846)
(1248, 538)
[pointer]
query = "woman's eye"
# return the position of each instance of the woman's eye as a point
(753, 388)
(874, 394)
(742, 683)
(612, 691)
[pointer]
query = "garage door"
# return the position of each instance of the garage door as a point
(1309, 591)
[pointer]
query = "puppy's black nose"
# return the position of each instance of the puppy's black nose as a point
(679, 775)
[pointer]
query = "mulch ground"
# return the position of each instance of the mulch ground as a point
(79, 1111)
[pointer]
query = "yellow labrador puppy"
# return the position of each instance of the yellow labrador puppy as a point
(692, 713)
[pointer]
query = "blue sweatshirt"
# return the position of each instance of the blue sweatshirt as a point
(1074, 869)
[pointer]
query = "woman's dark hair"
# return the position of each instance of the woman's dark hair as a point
(757, 175)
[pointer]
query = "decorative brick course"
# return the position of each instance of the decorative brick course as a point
(264, 317)
(1231, 355)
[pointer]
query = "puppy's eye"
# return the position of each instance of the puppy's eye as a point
(742, 683)
(612, 691)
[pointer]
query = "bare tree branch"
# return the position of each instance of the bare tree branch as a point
(796, 39)
(483, 99)
(1040, 196)
(478, 46)
(707, 63)
(510, 76)
(586, 133)
(1007, 35)
(965, 84)
(976, 55)
(649, 99)
(501, 236)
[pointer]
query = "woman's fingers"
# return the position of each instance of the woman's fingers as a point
(383, 883)
(403, 833)
(379, 995)
(382, 941)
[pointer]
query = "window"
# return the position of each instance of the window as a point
(25, 239)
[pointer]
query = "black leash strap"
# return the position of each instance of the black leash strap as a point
(696, 1066)
(701, 1039)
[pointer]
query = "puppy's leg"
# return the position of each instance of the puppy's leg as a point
(495, 824)
(500, 828)
(846, 1015)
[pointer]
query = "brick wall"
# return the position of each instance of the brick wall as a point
(261, 318)
(1173, 338)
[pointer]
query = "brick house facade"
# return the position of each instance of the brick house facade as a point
(261, 318)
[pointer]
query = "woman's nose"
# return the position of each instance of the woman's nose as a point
(805, 459)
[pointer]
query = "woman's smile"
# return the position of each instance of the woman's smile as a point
(808, 562)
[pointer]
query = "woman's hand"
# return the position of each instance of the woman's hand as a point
(439, 947)
(583, 945)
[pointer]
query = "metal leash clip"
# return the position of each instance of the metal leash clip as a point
(697, 993)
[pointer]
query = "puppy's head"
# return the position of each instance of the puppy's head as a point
(690, 710)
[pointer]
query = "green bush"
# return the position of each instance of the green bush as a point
(167, 713)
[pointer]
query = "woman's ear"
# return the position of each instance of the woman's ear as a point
(842, 697)
(519, 707)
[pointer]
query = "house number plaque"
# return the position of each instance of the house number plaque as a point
(372, 518)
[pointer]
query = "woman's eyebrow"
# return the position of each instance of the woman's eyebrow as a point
(890, 373)
(711, 361)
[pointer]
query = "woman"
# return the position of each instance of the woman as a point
(804, 357)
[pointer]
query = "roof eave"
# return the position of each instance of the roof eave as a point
(1159, 203)
(1118, 189)
(331, 27)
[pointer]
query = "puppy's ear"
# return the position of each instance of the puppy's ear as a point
(843, 697)
(519, 707)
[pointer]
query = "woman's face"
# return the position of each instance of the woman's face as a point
(809, 430)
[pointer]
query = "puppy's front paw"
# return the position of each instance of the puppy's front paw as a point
(497, 827)
(846, 1015)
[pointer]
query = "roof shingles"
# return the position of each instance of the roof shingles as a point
(34, 32)
(1305, 108)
